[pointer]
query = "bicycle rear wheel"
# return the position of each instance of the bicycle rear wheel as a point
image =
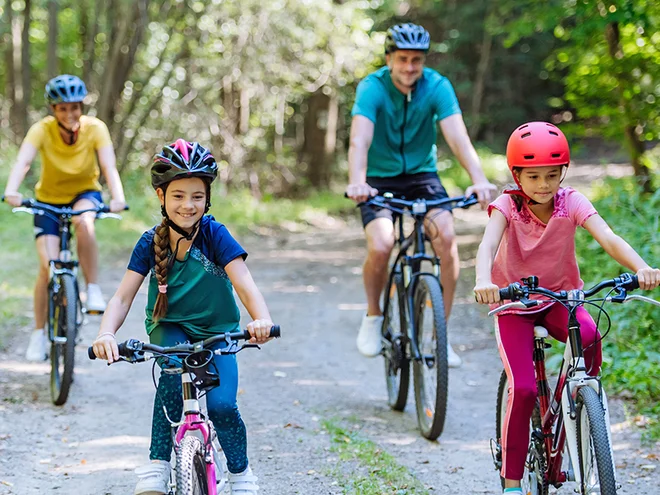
(191, 468)
(397, 363)
(534, 474)
(594, 449)
(63, 326)
(431, 372)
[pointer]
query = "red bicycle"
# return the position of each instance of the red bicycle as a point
(570, 427)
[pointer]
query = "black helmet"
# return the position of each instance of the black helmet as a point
(407, 37)
(65, 89)
(182, 159)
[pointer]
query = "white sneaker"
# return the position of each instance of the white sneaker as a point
(244, 483)
(153, 479)
(37, 348)
(453, 359)
(369, 337)
(95, 302)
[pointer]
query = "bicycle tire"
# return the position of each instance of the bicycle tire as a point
(593, 439)
(191, 468)
(530, 481)
(63, 322)
(397, 362)
(431, 405)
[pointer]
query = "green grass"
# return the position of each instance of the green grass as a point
(366, 469)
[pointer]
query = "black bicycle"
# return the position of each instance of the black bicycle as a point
(414, 328)
(65, 309)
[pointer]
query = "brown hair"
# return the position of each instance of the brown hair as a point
(161, 248)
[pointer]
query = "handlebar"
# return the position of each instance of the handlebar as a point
(132, 347)
(417, 206)
(519, 292)
(32, 204)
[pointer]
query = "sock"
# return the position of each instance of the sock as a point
(513, 491)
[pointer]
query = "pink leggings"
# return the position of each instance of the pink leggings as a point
(515, 339)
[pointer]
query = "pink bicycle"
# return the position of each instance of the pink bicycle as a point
(200, 465)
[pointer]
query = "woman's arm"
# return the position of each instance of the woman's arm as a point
(108, 164)
(485, 291)
(622, 252)
(26, 155)
(251, 298)
(105, 345)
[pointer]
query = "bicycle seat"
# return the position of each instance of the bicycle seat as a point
(540, 332)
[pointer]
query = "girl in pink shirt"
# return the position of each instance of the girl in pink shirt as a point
(531, 231)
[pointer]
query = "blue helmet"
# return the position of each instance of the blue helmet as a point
(65, 89)
(407, 37)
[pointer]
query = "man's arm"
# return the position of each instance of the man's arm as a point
(108, 164)
(456, 135)
(362, 133)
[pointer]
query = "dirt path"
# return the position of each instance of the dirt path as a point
(312, 283)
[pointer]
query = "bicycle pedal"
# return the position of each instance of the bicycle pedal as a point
(59, 340)
(93, 312)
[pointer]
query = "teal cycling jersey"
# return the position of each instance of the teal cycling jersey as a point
(405, 129)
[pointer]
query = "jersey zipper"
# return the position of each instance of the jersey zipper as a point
(406, 99)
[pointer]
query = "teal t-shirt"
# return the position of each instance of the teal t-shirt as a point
(405, 128)
(199, 293)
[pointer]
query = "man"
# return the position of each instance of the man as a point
(393, 149)
(72, 147)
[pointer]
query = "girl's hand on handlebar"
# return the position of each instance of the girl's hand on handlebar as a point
(487, 293)
(649, 278)
(260, 331)
(105, 347)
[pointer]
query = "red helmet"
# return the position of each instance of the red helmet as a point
(537, 144)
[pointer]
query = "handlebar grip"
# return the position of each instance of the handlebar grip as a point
(505, 294)
(634, 283)
(90, 353)
(274, 333)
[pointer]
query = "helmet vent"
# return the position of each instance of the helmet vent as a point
(527, 134)
(553, 133)
(556, 155)
(529, 157)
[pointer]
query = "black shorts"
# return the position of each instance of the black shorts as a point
(426, 185)
(46, 225)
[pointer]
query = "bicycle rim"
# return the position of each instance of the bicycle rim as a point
(397, 364)
(191, 468)
(534, 473)
(63, 322)
(431, 373)
(594, 449)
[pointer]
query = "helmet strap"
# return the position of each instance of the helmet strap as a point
(73, 135)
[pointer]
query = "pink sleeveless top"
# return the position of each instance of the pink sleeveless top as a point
(531, 247)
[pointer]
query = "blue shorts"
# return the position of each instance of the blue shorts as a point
(46, 225)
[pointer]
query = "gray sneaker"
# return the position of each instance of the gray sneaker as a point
(36, 350)
(369, 337)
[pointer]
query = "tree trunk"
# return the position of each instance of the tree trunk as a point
(52, 39)
(23, 90)
(634, 144)
(320, 121)
(278, 143)
(480, 79)
(8, 56)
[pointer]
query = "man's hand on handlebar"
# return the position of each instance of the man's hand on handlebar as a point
(360, 192)
(485, 192)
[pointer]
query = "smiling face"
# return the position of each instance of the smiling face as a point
(185, 201)
(405, 68)
(540, 183)
(68, 114)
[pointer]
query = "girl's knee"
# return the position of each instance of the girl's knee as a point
(223, 411)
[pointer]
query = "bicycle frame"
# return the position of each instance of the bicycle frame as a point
(410, 269)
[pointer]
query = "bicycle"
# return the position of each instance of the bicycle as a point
(198, 460)
(572, 422)
(65, 309)
(414, 335)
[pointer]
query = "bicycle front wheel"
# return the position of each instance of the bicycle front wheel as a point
(191, 468)
(64, 328)
(594, 449)
(431, 373)
(397, 364)
(534, 475)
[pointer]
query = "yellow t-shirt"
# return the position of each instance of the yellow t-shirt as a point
(67, 170)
